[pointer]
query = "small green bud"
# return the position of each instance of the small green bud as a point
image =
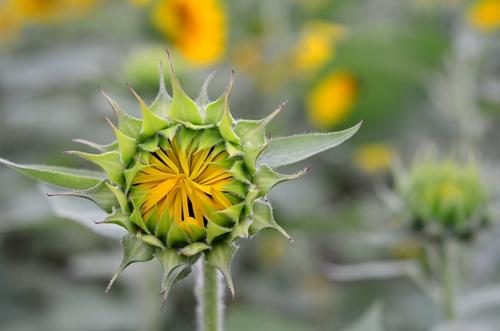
(444, 198)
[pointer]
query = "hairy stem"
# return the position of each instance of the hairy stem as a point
(209, 294)
(448, 281)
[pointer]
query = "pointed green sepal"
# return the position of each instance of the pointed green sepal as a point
(241, 230)
(214, 111)
(151, 122)
(163, 225)
(119, 218)
(120, 197)
(263, 218)
(173, 265)
(128, 124)
(162, 102)
(227, 121)
(233, 150)
(151, 144)
(185, 137)
(240, 172)
(202, 98)
(126, 145)
(288, 150)
(194, 248)
(266, 178)
(70, 178)
(176, 236)
(137, 219)
(134, 251)
(233, 212)
(220, 257)
(209, 138)
(196, 232)
(150, 240)
(183, 108)
(237, 188)
(169, 133)
(100, 194)
(110, 162)
(215, 230)
(101, 148)
(131, 172)
(254, 132)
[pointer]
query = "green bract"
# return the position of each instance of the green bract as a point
(444, 198)
(187, 180)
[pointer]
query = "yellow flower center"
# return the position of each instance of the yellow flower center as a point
(187, 183)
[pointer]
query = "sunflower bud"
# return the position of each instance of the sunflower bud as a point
(186, 180)
(445, 198)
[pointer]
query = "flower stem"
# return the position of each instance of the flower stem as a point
(209, 295)
(448, 274)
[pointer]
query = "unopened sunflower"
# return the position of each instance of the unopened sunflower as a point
(187, 180)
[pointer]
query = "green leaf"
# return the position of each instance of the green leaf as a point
(263, 219)
(110, 162)
(134, 251)
(266, 178)
(288, 150)
(173, 266)
(59, 176)
(128, 124)
(183, 108)
(101, 195)
(169, 133)
(220, 257)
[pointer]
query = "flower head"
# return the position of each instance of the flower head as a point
(444, 198)
(485, 14)
(196, 27)
(186, 180)
(316, 45)
(332, 99)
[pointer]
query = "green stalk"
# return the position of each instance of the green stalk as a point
(209, 295)
(448, 281)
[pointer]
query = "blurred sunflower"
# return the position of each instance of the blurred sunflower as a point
(374, 157)
(316, 45)
(332, 99)
(48, 10)
(196, 27)
(10, 24)
(484, 15)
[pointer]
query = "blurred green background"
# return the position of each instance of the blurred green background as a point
(420, 73)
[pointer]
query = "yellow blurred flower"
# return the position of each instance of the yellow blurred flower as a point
(485, 14)
(196, 27)
(332, 99)
(373, 158)
(316, 45)
(10, 24)
(47, 10)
